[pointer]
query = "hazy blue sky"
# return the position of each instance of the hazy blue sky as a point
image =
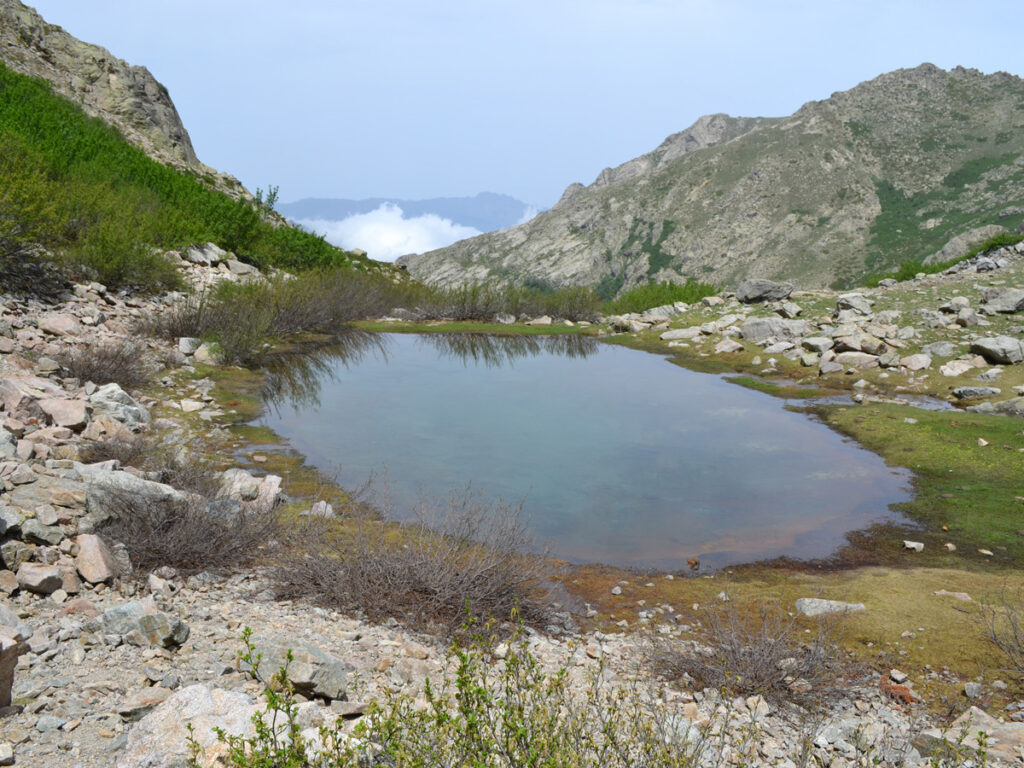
(412, 98)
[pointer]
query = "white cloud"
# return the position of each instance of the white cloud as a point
(529, 213)
(385, 234)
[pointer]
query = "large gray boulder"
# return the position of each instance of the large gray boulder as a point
(753, 291)
(160, 739)
(854, 302)
(312, 671)
(999, 349)
(141, 625)
(1003, 300)
(112, 401)
(761, 329)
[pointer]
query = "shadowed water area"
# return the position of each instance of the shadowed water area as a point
(616, 455)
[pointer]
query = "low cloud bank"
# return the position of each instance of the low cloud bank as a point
(385, 234)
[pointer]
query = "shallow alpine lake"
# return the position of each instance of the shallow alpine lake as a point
(616, 455)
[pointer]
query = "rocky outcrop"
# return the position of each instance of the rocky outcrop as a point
(822, 196)
(128, 97)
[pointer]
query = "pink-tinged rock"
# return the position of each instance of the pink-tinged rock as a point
(20, 395)
(73, 414)
(80, 607)
(106, 428)
(916, 362)
(61, 325)
(39, 578)
(95, 561)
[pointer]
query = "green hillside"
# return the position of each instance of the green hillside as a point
(73, 184)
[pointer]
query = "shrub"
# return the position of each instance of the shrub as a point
(658, 294)
(464, 555)
(511, 715)
(121, 362)
(202, 532)
(765, 655)
(1004, 626)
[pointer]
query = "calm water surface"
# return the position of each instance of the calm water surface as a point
(617, 455)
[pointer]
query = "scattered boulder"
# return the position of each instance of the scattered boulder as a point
(814, 606)
(95, 561)
(916, 362)
(754, 291)
(39, 578)
(142, 624)
(939, 349)
(160, 739)
(1003, 300)
(761, 329)
(967, 393)
(110, 400)
(999, 349)
(312, 671)
(855, 302)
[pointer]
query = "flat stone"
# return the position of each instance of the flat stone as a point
(956, 367)
(939, 349)
(728, 346)
(761, 329)
(916, 546)
(681, 333)
(966, 393)
(857, 359)
(35, 532)
(142, 702)
(814, 606)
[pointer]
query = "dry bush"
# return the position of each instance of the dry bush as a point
(1003, 626)
(768, 654)
(128, 453)
(464, 556)
(203, 532)
(119, 362)
(198, 535)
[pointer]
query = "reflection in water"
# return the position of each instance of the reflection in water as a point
(295, 375)
(497, 351)
(691, 466)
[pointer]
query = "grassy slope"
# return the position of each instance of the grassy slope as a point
(73, 183)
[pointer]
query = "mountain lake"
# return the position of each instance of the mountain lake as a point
(616, 455)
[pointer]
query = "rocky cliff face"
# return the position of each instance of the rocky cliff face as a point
(888, 171)
(128, 97)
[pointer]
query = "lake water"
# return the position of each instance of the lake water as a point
(617, 455)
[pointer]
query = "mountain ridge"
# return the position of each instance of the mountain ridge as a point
(850, 185)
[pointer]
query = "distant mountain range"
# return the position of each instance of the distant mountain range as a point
(884, 173)
(485, 211)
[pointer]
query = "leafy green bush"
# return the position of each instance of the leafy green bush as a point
(74, 184)
(908, 270)
(658, 294)
(511, 715)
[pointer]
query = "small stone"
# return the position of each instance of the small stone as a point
(897, 676)
(972, 690)
(616, 590)
(916, 546)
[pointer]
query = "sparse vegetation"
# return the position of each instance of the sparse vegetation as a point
(453, 557)
(657, 294)
(767, 655)
(198, 529)
(122, 362)
(1004, 626)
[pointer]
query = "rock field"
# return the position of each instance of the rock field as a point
(101, 665)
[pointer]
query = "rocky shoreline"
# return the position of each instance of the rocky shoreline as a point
(105, 668)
